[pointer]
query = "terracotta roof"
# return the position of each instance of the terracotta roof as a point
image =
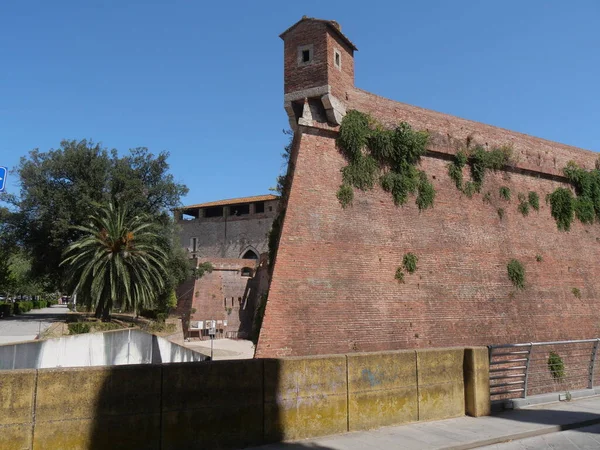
(233, 201)
(332, 24)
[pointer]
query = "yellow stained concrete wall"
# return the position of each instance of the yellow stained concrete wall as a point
(305, 397)
(440, 383)
(477, 382)
(212, 405)
(231, 404)
(98, 407)
(17, 390)
(382, 389)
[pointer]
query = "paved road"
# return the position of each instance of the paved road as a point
(27, 327)
(583, 438)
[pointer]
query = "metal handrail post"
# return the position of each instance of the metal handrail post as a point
(527, 370)
(593, 364)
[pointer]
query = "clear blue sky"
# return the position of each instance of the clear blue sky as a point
(203, 80)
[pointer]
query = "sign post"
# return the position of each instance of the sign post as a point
(211, 332)
(3, 173)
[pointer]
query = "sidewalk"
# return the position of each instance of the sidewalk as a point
(464, 432)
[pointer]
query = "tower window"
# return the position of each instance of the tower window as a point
(259, 207)
(337, 59)
(305, 54)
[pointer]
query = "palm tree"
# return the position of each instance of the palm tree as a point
(119, 260)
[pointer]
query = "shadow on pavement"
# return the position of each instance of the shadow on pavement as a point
(59, 315)
(566, 420)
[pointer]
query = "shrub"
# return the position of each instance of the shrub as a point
(6, 309)
(345, 195)
(203, 268)
(505, 193)
(22, 307)
(576, 292)
(470, 189)
(410, 262)
(456, 175)
(106, 326)
(425, 193)
(556, 366)
(148, 313)
(524, 208)
(538, 258)
(534, 200)
(481, 161)
(516, 273)
(79, 328)
(399, 275)
(500, 213)
(584, 210)
(161, 317)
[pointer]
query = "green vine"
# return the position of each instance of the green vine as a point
(373, 152)
(345, 195)
(480, 161)
(585, 205)
(534, 200)
(399, 275)
(470, 189)
(516, 273)
(523, 204)
(562, 206)
(410, 262)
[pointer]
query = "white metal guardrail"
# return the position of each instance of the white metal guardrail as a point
(522, 370)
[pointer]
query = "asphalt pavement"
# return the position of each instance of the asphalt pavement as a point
(28, 326)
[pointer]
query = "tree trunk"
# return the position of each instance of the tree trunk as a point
(106, 312)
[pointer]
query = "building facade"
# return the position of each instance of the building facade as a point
(235, 228)
(230, 235)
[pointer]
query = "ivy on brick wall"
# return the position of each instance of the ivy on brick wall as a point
(409, 264)
(388, 156)
(516, 273)
(585, 204)
(480, 161)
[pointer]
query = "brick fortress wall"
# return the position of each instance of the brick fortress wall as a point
(333, 288)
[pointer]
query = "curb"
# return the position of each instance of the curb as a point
(524, 435)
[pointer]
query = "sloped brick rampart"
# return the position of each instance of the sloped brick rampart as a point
(333, 287)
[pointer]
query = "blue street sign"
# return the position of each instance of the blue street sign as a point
(3, 173)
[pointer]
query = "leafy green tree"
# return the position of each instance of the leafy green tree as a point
(118, 261)
(59, 191)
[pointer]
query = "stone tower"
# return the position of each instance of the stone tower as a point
(318, 72)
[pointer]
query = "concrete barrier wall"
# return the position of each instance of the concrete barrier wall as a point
(109, 348)
(233, 404)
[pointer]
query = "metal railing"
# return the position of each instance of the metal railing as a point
(521, 370)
